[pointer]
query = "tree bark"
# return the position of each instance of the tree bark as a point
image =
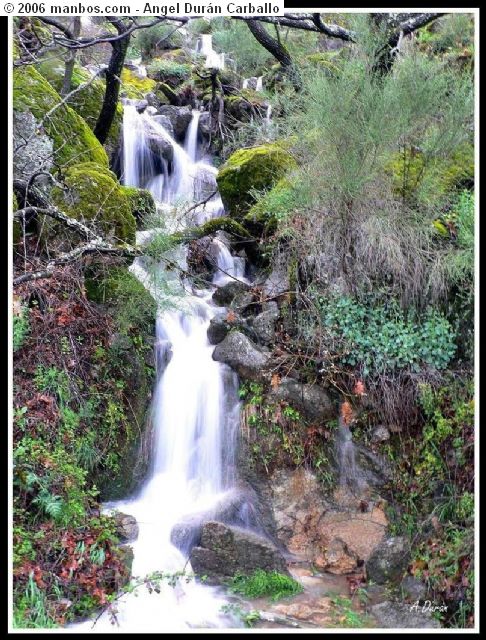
(112, 91)
(278, 51)
(71, 59)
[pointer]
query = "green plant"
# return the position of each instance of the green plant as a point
(265, 583)
(20, 327)
(346, 616)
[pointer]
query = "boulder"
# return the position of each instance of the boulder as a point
(226, 550)
(249, 170)
(277, 282)
(311, 400)
(238, 507)
(225, 294)
(340, 559)
(71, 138)
(380, 434)
(242, 355)
(165, 122)
(263, 324)
(218, 329)
(413, 589)
(180, 118)
(126, 527)
(388, 561)
(398, 615)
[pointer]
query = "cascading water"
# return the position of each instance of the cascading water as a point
(190, 143)
(204, 47)
(194, 411)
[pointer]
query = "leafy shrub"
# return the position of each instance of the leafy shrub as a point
(165, 70)
(384, 337)
(20, 327)
(265, 583)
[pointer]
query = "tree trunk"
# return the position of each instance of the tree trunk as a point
(276, 48)
(70, 60)
(112, 91)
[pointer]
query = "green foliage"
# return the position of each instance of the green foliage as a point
(169, 71)
(379, 338)
(156, 38)
(20, 327)
(247, 617)
(74, 142)
(31, 609)
(134, 87)
(265, 584)
(346, 616)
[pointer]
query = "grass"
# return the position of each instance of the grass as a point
(265, 583)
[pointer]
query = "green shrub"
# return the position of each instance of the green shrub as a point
(384, 338)
(20, 328)
(265, 583)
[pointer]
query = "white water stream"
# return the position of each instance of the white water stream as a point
(194, 409)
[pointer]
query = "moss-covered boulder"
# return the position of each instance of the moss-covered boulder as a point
(73, 141)
(88, 101)
(92, 194)
(169, 71)
(251, 170)
(245, 106)
(142, 203)
(132, 86)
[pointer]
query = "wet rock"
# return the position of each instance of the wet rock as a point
(264, 324)
(339, 558)
(396, 615)
(126, 527)
(226, 550)
(126, 554)
(243, 302)
(412, 589)
(311, 400)
(388, 561)
(242, 355)
(141, 105)
(380, 434)
(218, 329)
(238, 507)
(165, 122)
(224, 295)
(161, 147)
(180, 118)
(375, 469)
(207, 125)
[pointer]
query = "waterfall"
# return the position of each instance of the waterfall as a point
(245, 83)
(190, 143)
(195, 406)
(204, 47)
(259, 84)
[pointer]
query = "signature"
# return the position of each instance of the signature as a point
(427, 606)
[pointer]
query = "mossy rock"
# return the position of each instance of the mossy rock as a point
(166, 95)
(142, 202)
(251, 170)
(73, 140)
(275, 205)
(92, 195)
(176, 55)
(409, 171)
(134, 87)
(168, 71)
(88, 101)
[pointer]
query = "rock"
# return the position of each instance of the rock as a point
(242, 355)
(257, 168)
(380, 434)
(72, 139)
(413, 589)
(218, 329)
(207, 125)
(360, 532)
(160, 147)
(224, 295)
(29, 158)
(374, 469)
(165, 122)
(242, 301)
(277, 282)
(311, 400)
(126, 527)
(396, 615)
(264, 324)
(180, 118)
(226, 550)
(91, 193)
(141, 105)
(388, 561)
(339, 558)
(238, 507)
(126, 553)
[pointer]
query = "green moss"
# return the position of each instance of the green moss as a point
(165, 94)
(73, 140)
(93, 195)
(141, 202)
(88, 102)
(168, 71)
(275, 205)
(440, 176)
(251, 170)
(135, 87)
